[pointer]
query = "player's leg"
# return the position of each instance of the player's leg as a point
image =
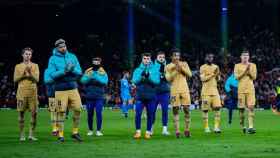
(176, 103)
(139, 110)
(124, 107)
(176, 120)
(216, 103)
(156, 102)
(150, 107)
(61, 98)
(187, 120)
(130, 104)
(230, 110)
(20, 109)
(241, 107)
(164, 101)
(53, 116)
(205, 108)
(75, 104)
(186, 102)
(251, 113)
(90, 114)
(21, 125)
(33, 104)
(99, 109)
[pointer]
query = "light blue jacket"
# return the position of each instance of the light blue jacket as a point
(164, 86)
(57, 65)
(95, 82)
(125, 89)
(146, 88)
(49, 82)
(231, 82)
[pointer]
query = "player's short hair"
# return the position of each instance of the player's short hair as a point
(26, 49)
(245, 51)
(175, 50)
(125, 72)
(207, 54)
(146, 55)
(97, 58)
(160, 53)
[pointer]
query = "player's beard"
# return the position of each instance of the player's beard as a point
(95, 67)
(209, 62)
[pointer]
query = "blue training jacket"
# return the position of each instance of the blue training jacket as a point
(95, 82)
(125, 89)
(57, 65)
(231, 85)
(146, 87)
(164, 86)
(49, 82)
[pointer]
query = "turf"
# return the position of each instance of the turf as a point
(118, 142)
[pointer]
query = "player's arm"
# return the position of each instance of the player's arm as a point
(185, 69)
(34, 75)
(47, 78)
(203, 76)
(218, 74)
(19, 74)
(154, 76)
(100, 76)
(55, 73)
(239, 73)
(170, 72)
(253, 72)
(87, 76)
(77, 69)
(136, 77)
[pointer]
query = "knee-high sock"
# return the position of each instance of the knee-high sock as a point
(251, 116)
(76, 121)
(217, 119)
(139, 110)
(54, 121)
(21, 123)
(99, 109)
(33, 123)
(176, 119)
(205, 119)
(187, 118)
(90, 114)
(242, 117)
(60, 123)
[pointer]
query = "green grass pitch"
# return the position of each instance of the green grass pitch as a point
(117, 141)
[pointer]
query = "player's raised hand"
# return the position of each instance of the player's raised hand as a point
(216, 71)
(88, 70)
(248, 67)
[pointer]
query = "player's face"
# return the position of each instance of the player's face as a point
(96, 62)
(176, 57)
(146, 60)
(161, 58)
(127, 75)
(62, 49)
(27, 55)
(210, 58)
(245, 57)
